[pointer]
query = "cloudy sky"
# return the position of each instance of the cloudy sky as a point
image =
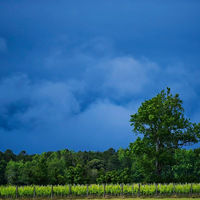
(72, 72)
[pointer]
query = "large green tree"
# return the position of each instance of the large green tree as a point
(164, 127)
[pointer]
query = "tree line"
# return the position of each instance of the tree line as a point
(157, 156)
(69, 167)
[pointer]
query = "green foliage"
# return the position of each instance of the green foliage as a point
(9, 191)
(124, 176)
(134, 166)
(95, 189)
(79, 190)
(2, 172)
(26, 191)
(98, 190)
(96, 164)
(43, 191)
(109, 177)
(186, 166)
(164, 128)
(113, 189)
(12, 172)
(61, 190)
(127, 189)
(149, 189)
(135, 188)
(55, 169)
(74, 175)
(183, 188)
(166, 188)
(196, 188)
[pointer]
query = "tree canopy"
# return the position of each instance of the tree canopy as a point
(164, 127)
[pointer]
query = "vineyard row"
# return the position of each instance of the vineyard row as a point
(101, 190)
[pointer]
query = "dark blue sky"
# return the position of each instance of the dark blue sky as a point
(72, 72)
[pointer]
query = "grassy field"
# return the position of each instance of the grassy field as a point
(174, 198)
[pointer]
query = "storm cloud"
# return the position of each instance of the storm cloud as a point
(71, 74)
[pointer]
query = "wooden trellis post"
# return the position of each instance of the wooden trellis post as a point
(87, 190)
(104, 188)
(17, 194)
(51, 191)
(34, 193)
(122, 189)
(138, 189)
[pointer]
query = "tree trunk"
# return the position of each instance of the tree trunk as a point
(158, 170)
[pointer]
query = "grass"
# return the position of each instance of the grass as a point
(162, 198)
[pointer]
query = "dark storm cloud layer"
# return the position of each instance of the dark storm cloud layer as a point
(72, 72)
